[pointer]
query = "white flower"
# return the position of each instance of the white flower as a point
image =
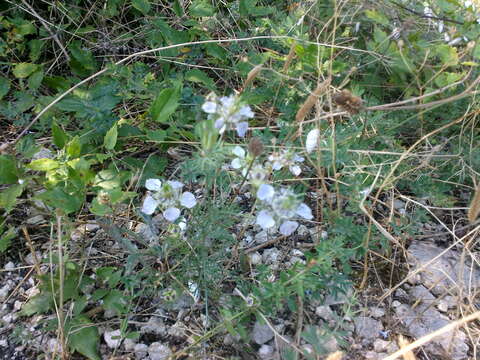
(288, 227)
(187, 199)
(312, 140)
(304, 211)
(265, 192)
(257, 175)
(171, 214)
(286, 158)
(265, 220)
(153, 184)
(149, 205)
(168, 197)
(228, 114)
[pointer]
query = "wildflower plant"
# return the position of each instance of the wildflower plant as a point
(167, 196)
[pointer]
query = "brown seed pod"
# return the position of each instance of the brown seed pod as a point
(255, 146)
(349, 102)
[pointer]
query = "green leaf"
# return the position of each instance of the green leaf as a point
(60, 138)
(35, 80)
(74, 147)
(475, 54)
(165, 104)
(38, 304)
(24, 70)
(198, 76)
(116, 301)
(177, 8)
(156, 135)
(447, 54)
(110, 139)
(35, 46)
(43, 164)
(201, 8)
(4, 86)
(8, 197)
(58, 198)
(377, 17)
(141, 5)
(8, 170)
(6, 239)
(83, 337)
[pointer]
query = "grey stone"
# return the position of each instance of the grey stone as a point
(146, 232)
(35, 220)
(380, 345)
(302, 230)
(339, 297)
(112, 338)
(398, 204)
(255, 258)
(261, 237)
(377, 312)
(325, 312)
(425, 319)
(265, 352)
(261, 333)
(158, 351)
(367, 328)
(129, 344)
(270, 256)
(9, 266)
(446, 273)
(155, 326)
(140, 351)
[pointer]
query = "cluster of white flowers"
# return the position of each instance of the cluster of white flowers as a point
(228, 113)
(286, 158)
(168, 197)
(280, 208)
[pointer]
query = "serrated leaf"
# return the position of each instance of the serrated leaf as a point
(198, 76)
(141, 5)
(110, 139)
(24, 70)
(8, 170)
(43, 164)
(60, 138)
(8, 197)
(4, 86)
(38, 304)
(83, 337)
(165, 104)
(201, 8)
(74, 147)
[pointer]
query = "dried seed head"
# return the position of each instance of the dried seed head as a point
(252, 75)
(255, 146)
(349, 102)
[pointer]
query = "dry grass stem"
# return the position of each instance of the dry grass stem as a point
(474, 209)
(312, 99)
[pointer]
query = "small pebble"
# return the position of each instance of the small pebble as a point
(112, 338)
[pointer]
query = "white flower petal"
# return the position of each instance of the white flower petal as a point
(171, 214)
(265, 192)
(288, 227)
(238, 150)
(312, 140)
(228, 101)
(194, 290)
(246, 112)
(175, 184)
(153, 184)
(149, 205)
(209, 107)
(304, 211)
(277, 165)
(188, 200)
(219, 123)
(242, 128)
(265, 220)
(295, 170)
(236, 163)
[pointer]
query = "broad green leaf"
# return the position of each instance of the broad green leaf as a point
(35, 80)
(141, 5)
(8, 197)
(165, 104)
(116, 301)
(6, 239)
(38, 304)
(377, 17)
(4, 86)
(74, 148)
(156, 135)
(43, 164)
(83, 337)
(24, 70)
(177, 8)
(35, 46)
(198, 76)
(8, 170)
(201, 8)
(58, 198)
(110, 139)
(60, 138)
